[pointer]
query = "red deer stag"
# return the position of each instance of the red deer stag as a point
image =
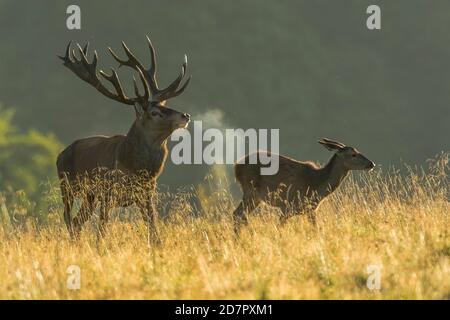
(142, 152)
(297, 187)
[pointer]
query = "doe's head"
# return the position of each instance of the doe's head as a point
(350, 158)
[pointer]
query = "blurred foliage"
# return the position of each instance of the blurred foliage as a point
(310, 68)
(27, 159)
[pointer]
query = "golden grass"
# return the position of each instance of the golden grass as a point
(401, 223)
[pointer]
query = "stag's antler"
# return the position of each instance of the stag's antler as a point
(88, 72)
(160, 95)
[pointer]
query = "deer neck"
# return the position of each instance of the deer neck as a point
(143, 151)
(332, 175)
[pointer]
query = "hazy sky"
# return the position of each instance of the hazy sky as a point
(309, 68)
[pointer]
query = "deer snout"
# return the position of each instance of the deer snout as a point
(371, 165)
(182, 120)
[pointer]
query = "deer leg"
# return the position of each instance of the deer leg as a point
(311, 211)
(239, 216)
(67, 197)
(83, 215)
(150, 216)
(285, 214)
(104, 215)
(287, 209)
(247, 205)
(311, 214)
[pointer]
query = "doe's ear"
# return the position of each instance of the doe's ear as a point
(331, 144)
(139, 110)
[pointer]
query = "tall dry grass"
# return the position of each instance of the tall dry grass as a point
(397, 222)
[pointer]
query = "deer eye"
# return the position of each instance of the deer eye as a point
(354, 155)
(154, 113)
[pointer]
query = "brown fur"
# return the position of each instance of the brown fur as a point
(120, 170)
(297, 186)
(88, 163)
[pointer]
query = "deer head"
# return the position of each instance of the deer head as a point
(152, 116)
(349, 157)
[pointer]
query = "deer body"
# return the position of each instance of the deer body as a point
(130, 154)
(297, 187)
(120, 170)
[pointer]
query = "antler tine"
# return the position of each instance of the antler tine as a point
(85, 49)
(150, 74)
(88, 72)
(174, 85)
(114, 79)
(66, 56)
(146, 95)
(152, 70)
(116, 57)
(171, 91)
(94, 60)
(180, 91)
(173, 94)
(135, 64)
(136, 89)
(132, 61)
(83, 56)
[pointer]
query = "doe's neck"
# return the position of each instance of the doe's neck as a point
(333, 173)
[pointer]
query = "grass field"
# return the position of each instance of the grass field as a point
(399, 223)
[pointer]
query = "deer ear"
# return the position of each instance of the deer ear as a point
(139, 110)
(339, 144)
(330, 145)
